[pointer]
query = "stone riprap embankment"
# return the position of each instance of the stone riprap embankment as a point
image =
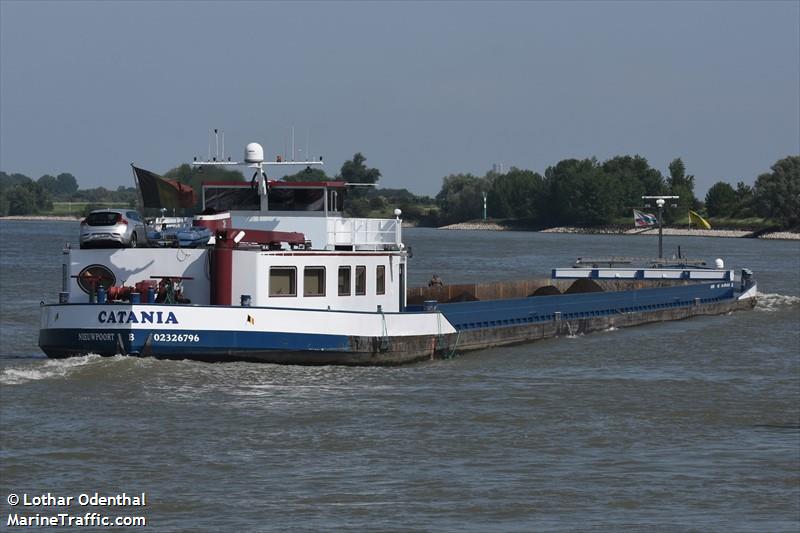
(493, 226)
(692, 232)
(786, 235)
(40, 217)
(485, 226)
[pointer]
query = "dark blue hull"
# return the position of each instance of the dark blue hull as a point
(478, 324)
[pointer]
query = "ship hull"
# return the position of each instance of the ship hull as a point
(322, 337)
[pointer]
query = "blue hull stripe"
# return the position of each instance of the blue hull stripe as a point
(189, 342)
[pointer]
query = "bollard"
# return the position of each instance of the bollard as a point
(246, 300)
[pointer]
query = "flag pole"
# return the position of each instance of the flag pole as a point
(660, 204)
(660, 201)
(139, 196)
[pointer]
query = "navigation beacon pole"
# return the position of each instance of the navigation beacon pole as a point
(660, 201)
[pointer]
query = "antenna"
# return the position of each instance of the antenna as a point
(292, 143)
(660, 201)
(253, 158)
(308, 135)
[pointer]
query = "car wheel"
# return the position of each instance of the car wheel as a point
(133, 240)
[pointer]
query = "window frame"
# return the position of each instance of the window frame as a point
(363, 270)
(324, 281)
(349, 270)
(293, 281)
(380, 288)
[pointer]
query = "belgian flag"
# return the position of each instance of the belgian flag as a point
(160, 192)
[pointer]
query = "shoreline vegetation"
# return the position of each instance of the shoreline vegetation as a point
(683, 232)
(573, 196)
(496, 226)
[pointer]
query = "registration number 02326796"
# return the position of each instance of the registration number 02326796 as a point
(176, 337)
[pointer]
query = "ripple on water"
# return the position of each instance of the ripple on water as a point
(43, 369)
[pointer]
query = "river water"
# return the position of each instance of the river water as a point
(689, 425)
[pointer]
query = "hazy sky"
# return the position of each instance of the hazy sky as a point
(422, 89)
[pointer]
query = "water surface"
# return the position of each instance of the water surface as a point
(683, 425)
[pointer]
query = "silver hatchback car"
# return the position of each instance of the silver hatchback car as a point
(106, 228)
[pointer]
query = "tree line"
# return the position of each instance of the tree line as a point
(586, 192)
(579, 192)
(21, 195)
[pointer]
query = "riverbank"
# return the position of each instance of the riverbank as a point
(494, 226)
(41, 217)
(683, 232)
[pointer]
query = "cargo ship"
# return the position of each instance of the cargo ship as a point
(273, 271)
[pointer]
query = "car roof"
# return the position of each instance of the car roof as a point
(110, 210)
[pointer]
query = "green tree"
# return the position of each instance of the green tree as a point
(308, 174)
(721, 200)
(677, 173)
(355, 171)
(681, 185)
(21, 201)
(777, 193)
(377, 203)
(744, 201)
(63, 186)
(516, 194)
(580, 193)
(630, 178)
(7, 181)
(461, 198)
(66, 185)
(49, 183)
(195, 176)
(28, 199)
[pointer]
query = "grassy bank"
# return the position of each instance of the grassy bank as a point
(79, 209)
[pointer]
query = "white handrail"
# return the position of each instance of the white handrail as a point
(364, 232)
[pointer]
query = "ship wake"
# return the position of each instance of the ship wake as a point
(47, 369)
(775, 302)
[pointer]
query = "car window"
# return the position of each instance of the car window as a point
(132, 214)
(102, 218)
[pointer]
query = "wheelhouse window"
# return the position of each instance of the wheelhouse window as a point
(227, 198)
(314, 281)
(288, 199)
(361, 280)
(344, 281)
(380, 279)
(283, 281)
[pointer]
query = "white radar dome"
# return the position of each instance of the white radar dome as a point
(254, 153)
(720, 264)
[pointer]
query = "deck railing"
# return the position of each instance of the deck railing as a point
(365, 233)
